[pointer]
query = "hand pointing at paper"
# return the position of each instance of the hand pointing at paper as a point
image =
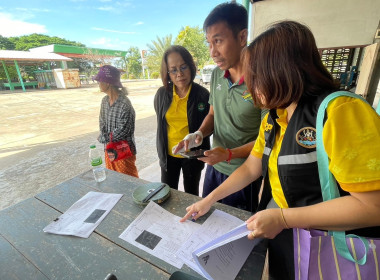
(199, 209)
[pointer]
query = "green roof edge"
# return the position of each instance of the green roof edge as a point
(83, 50)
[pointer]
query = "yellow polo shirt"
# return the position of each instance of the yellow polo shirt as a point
(177, 122)
(351, 136)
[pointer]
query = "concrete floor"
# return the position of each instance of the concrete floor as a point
(46, 134)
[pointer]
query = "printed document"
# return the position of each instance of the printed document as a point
(82, 218)
(217, 249)
(216, 225)
(159, 233)
(223, 257)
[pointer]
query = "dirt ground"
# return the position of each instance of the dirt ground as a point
(46, 134)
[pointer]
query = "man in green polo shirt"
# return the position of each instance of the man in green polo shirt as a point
(233, 119)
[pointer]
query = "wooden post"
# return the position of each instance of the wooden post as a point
(369, 73)
(374, 80)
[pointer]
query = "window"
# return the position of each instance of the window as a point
(337, 61)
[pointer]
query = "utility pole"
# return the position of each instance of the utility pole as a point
(143, 62)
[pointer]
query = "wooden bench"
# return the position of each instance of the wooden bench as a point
(12, 85)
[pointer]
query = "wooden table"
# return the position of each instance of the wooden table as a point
(26, 252)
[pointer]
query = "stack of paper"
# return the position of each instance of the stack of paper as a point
(159, 233)
(223, 257)
(217, 249)
(217, 224)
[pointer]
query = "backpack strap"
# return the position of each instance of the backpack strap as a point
(328, 183)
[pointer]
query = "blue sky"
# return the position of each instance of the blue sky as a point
(107, 24)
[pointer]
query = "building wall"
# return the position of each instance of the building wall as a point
(335, 23)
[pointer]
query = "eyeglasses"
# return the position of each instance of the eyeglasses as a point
(181, 69)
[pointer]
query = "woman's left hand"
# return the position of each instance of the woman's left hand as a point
(265, 224)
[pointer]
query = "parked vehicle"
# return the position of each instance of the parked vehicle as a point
(197, 79)
(206, 74)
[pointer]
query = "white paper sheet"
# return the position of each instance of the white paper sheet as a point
(82, 218)
(216, 225)
(159, 233)
(223, 257)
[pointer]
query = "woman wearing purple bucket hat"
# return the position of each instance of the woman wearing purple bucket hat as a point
(117, 116)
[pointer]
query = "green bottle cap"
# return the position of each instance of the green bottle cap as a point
(92, 146)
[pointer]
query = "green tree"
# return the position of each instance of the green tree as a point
(24, 43)
(194, 40)
(12, 72)
(133, 60)
(84, 65)
(155, 52)
(6, 44)
(122, 63)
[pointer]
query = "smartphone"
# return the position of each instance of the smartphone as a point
(193, 154)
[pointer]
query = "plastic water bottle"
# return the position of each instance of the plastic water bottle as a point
(97, 164)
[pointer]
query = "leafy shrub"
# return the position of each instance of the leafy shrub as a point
(154, 75)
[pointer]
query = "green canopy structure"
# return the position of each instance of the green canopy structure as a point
(25, 58)
(54, 52)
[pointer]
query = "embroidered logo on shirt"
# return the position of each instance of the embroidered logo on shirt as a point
(219, 87)
(201, 107)
(247, 96)
(268, 127)
(307, 137)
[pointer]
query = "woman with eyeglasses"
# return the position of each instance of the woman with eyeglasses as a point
(181, 105)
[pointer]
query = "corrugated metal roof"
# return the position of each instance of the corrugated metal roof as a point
(31, 56)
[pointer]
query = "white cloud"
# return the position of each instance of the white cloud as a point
(101, 41)
(106, 8)
(24, 14)
(10, 27)
(33, 9)
(139, 23)
(115, 7)
(109, 43)
(41, 10)
(123, 4)
(112, 31)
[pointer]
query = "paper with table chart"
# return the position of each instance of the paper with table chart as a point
(159, 233)
(217, 249)
(82, 218)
